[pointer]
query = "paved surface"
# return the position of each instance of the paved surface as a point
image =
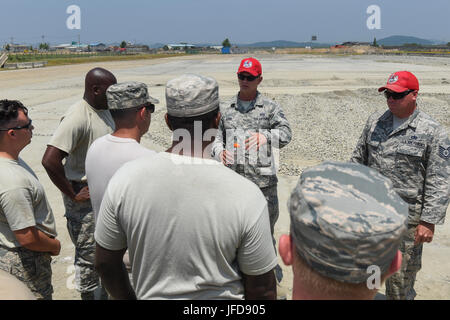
(50, 91)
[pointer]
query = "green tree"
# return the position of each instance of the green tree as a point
(226, 43)
(43, 46)
(448, 44)
(375, 42)
(7, 47)
(123, 44)
(166, 48)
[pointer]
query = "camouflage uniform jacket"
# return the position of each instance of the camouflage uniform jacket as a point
(415, 156)
(267, 118)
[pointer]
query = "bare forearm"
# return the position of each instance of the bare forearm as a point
(112, 271)
(35, 240)
(56, 173)
(116, 282)
(262, 287)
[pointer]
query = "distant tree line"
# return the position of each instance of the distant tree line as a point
(226, 43)
(44, 46)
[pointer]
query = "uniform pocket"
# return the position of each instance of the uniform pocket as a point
(412, 151)
(409, 158)
(409, 166)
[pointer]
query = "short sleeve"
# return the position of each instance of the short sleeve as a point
(108, 231)
(256, 254)
(17, 205)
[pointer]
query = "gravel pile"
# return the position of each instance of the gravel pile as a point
(325, 126)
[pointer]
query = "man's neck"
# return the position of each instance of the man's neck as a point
(247, 96)
(131, 133)
(301, 292)
(92, 103)
(9, 155)
(405, 115)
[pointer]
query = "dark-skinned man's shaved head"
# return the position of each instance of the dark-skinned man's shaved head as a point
(95, 85)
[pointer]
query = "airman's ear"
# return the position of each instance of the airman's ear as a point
(217, 120)
(142, 113)
(167, 122)
(395, 264)
(96, 89)
(285, 248)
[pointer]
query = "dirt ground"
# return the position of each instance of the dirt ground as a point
(50, 91)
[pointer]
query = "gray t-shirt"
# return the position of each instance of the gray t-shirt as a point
(105, 156)
(79, 127)
(23, 202)
(397, 122)
(192, 226)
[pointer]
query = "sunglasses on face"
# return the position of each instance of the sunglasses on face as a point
(27, 126)
(248, 78)
(397, 95)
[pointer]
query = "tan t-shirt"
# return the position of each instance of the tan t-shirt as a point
(79, 127)
(23, 202)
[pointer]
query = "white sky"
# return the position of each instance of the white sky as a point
(211, 21)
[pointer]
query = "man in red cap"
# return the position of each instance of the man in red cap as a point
(413, 150)
(250, 127)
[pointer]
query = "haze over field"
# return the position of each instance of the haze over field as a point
(206, 21)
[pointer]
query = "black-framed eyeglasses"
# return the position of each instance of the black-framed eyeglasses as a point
(397, 95)
(27, 126)
(249, 77)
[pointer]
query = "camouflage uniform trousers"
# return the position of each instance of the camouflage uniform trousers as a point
(271, 195)
(31, 267)
(400, 286)
(81, 227)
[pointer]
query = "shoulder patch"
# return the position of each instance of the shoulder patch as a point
(444, 153)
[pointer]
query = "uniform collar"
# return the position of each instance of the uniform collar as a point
(412, 121)
(94, 109)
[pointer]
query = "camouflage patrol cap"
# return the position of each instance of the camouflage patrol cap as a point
(127, 95)
(191, 95)
(346, 217)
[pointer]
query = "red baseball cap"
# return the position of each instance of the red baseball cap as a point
(250, 65)
(401, 81)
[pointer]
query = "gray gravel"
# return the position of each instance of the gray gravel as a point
(325, 126)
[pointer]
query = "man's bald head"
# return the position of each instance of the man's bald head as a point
(96, 82)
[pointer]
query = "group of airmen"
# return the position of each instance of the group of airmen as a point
(197, 221)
